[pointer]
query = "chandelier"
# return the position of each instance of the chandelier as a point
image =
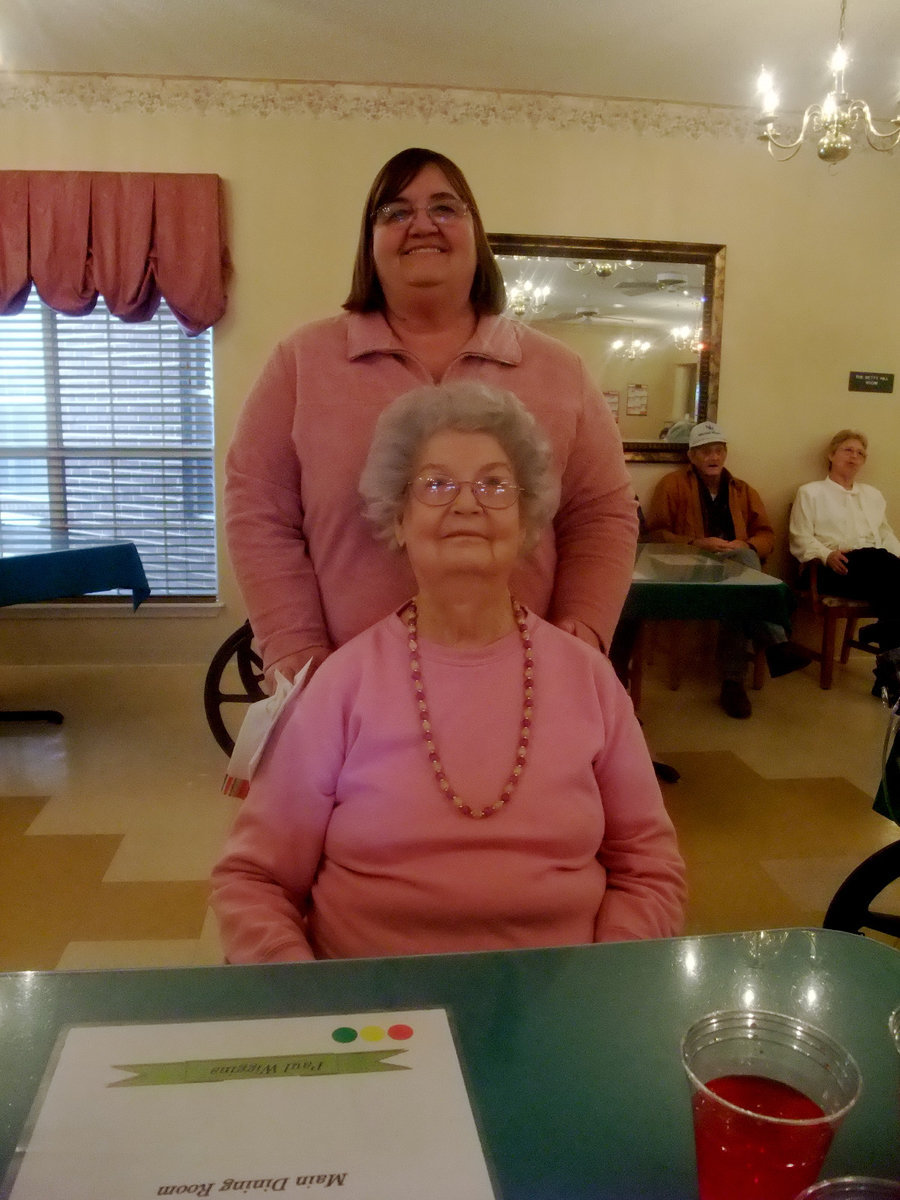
(631, 348)
(686, 338)
(602, 270)
(524, 299)
(833, 121)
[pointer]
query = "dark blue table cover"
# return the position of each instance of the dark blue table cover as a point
(78, 571)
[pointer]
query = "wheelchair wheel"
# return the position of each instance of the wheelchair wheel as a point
(234, 680)
(851, 907)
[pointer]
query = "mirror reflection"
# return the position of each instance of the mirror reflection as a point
(645, 317)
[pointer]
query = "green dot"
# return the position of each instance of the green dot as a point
(344, 1034)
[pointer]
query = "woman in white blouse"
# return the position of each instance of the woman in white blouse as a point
(844, 525)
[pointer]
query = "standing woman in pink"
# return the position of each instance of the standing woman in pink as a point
(463, 775)
(424, 307)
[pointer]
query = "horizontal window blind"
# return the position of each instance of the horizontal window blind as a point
(106, 433)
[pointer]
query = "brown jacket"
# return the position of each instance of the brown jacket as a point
(676, 512)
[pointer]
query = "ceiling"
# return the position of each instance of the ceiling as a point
(625, 297)
(692, 51)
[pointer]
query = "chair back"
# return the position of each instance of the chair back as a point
(829, 609)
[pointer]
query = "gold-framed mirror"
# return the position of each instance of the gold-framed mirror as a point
(645, 316)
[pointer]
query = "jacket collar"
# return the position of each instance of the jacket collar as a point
(693, 474)
(495, 338)
(853, 490)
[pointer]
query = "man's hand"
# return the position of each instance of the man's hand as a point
(837, 562)
(715, 543)
(580, 630)
(292, 663)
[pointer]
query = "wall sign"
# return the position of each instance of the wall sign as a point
(870, 381)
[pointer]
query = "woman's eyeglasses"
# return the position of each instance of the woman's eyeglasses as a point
(439, 491)
(440, 212)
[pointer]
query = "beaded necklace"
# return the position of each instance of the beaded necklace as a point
(443, 782)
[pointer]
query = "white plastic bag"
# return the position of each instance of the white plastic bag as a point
(255, 731)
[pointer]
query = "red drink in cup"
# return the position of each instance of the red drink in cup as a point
(764, 1159)
(769, 1092)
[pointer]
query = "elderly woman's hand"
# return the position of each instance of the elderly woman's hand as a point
(837, 561)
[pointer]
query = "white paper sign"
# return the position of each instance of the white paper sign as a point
(358, 1107)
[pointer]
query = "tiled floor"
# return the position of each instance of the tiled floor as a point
(123, 818)
(109, 824)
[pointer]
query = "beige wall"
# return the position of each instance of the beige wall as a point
(666, 398)
(812, 276)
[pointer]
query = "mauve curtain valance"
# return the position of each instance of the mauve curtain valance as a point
(133, 238)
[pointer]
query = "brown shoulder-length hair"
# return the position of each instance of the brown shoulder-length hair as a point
(487, 294)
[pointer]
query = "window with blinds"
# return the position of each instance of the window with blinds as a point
(106, 433)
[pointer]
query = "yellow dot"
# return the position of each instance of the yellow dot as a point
(371, 1033)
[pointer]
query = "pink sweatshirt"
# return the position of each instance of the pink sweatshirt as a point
(346, 847)
(311, 571)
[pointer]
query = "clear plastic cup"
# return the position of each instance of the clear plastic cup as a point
(894, 1027)
(768, 1093)
(853, 1187)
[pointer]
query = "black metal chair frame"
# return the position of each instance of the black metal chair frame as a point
(851, 908)
(238, 646)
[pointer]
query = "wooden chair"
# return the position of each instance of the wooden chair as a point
(829, 610)
(669, 636)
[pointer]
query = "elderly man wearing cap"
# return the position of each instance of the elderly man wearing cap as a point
(704, 505)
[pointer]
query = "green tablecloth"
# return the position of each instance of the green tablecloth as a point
(676, 583)
(571, 1054)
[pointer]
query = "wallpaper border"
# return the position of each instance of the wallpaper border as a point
(341, 101)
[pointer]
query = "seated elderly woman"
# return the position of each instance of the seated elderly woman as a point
(463, 775)
(843, 524)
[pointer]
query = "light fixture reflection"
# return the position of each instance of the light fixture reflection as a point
(631, 347)
(687, 338)
(524, 299)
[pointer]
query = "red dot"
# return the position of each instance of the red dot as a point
(400, 1032)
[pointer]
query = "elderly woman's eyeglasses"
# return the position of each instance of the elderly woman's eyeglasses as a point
(439, 490)
(441, 212)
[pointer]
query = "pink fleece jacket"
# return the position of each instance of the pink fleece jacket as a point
(311, 571)
(346, 846)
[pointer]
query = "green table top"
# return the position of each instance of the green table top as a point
(673, 582)
(572, 1054)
